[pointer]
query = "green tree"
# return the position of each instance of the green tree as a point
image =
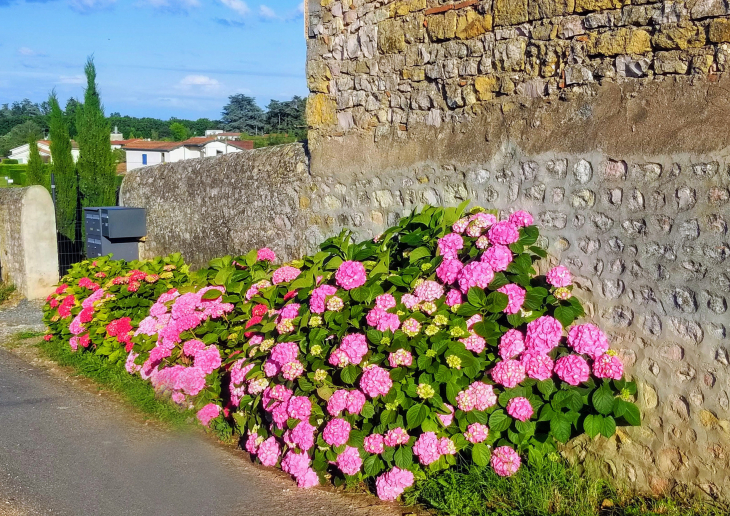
(179, 131)
(96, 165)
(63, 169)
(243, 114)
(19, 135)
(34, 173)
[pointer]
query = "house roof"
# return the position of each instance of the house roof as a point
(228, 134)
(47, 143)
(149, 145)
(199, 141)
(124, 143)
(241, 144)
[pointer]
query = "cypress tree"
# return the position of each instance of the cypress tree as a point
(96, 165)
(64, 170)
(34, 172)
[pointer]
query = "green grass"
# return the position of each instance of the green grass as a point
(5, 290)
(555, 489)
(136, 391)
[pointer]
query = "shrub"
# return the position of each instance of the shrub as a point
(8, 161)
(380, 360)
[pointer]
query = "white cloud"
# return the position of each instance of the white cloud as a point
(267, 13)
(72, 79)
(239, 6)
(29, 52)
(88, 6)
(200, 83)
(300, 8)
(173, 5)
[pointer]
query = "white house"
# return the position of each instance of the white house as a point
(222, 135)
(143, 153)
(22, 153)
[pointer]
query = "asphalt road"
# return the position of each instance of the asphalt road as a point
(69, 451)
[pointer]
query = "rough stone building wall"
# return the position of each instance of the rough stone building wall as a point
(28, 252)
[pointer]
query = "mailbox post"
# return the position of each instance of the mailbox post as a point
(114, 230)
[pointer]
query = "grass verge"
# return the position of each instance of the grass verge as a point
(5, 290)
(133, 389)
(557, 488)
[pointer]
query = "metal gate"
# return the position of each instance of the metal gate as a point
(69, 237)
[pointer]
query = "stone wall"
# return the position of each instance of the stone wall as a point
(384, 67)
(28, 252)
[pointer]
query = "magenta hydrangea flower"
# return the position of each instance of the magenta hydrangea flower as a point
(284, 352)
(355, 401)
(375, 381)
(474, 343)
(385, 301)
(559, 277)
(296, 464)
(504, 233)
(337, 432)
(572, 369)
(521, 219)
(309, 479)
(520, 408)
(355, 345)
(299, 407)
(373, 443)
(508, 373)
(191, 347)
(448, 270)
(400, 357)
(269, 451)
(450, 245)
(608, 366)
(265, 254)
(337, 402)
(426, 448)
(349, 461)
(303, 435)
(446, 419)
(588, 339)
(537, 365)
(478, 396)
(129, 365)
(285, 274)
(476, 433)
(516, 295)
(351, 275)
(208, 413)
(475, 274)
(208, 359)
(396, 436)
(543, 334)
(511, 344)
(505, 461)
(454, 297)
(290, 311)
(498, 257)
(429, 291)
(391, 485)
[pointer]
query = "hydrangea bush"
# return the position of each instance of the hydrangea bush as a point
(379, 360)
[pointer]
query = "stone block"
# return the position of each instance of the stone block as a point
(671, 62)
(542, 9)
(720, 30)
(678, 37)
(391, 37)
(472, 24)
(486, 86)
(442, 26)
(318, 76)
(707, 8)
(582, 6)
(510, 12)
(320, 110)
(620, 41)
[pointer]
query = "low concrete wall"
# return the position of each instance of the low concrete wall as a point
(28, 249)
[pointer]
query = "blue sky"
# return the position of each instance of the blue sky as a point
(159, 58)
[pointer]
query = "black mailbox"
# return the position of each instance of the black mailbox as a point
(114, 230)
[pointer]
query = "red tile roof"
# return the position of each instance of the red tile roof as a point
(47, 143)
(152, 145)
(242, 144)
(199, 140)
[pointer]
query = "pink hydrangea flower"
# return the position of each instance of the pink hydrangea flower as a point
(409, 300)
(426, 448)
(375, 381)
(285, 274)
(400, 357)
(448, 270)
(498, 257)
(337, 432)
(317, 301)
(299, 407)
(284, 352)
(508, 373)
(251, 444)
(395, 437)
(520, 408)
(208, 413)
(374, 443)
(429, 291)
(475, 274)
(349, 461)
(446, 419)
(129, 365)
(572, 369)
(588, 339)
(411, 327)
(482, 242)
(385, 301)
(309, 479)
(265, 254)
(269, 451)
(351, 275)
(460, 225)
(208, 359)
(559, 277)
(292, 370)
(355, 347)
(303, 435)
(296, 464)
(511, 344)
(516, 295)
(450, 245)
(537, 365)
(191, 347)
(543, 334)
(608, 366)
(476, 433)
(290, 311)
(447, 446)
(478, 396)
(505, 461)
(337, 402)
(521, 219)
(474, 343)
(391, 485)
(454, 297)
(504, 233)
